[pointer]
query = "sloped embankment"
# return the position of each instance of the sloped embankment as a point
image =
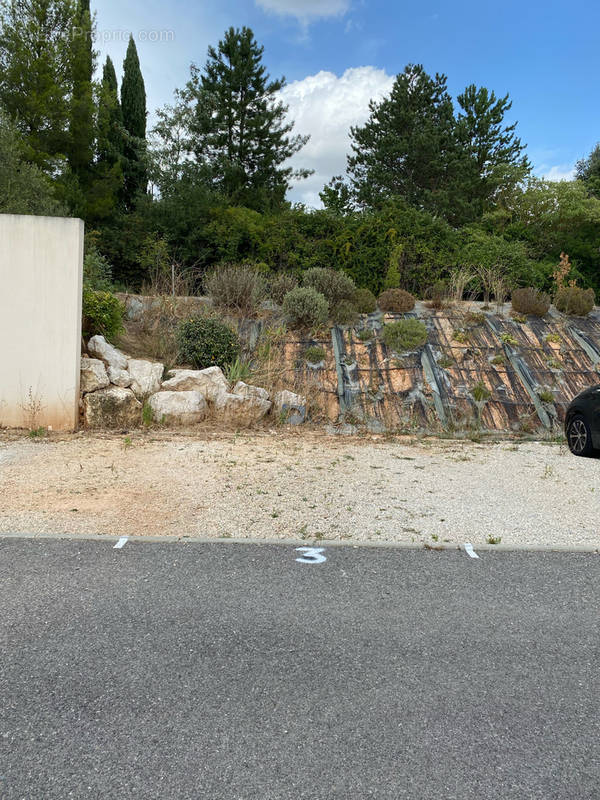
(477, 369)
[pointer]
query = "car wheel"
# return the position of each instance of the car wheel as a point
(579, 436)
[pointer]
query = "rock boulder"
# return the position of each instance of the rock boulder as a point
(240, 410)
(100, 348)
(93, 375)
(250, 391)
(210, 382)
(146, 376)
(290, 407)
(178, 408)
(119, 377)
(112, 407)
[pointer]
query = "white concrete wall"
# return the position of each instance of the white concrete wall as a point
(41, 262)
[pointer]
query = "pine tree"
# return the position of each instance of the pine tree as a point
(239, 132)
(408, 146)
(36, 74)
(133, 105)
(81, 122)
(492, 150)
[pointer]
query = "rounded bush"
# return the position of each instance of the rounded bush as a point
(364, 301)
(205, 342)
(405, 335)
(344, 313)
(236, 287)
(575, 301)
(333, 285)
(280, 285)
(305, 307)
(530, 301)
(396, 300)
(102, 313)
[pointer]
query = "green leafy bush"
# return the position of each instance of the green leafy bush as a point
(396, 300)
(334, 286)
(405, 335)
(102, 313)
(305, 307)
(530, 301)
(344, 313)
(205, 342)
(364, 301)
(314, 354)
(280, 285)
(238, 288)
(575, 301)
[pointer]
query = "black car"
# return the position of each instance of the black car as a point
(582, 423)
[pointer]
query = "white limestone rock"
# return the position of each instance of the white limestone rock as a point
(210, 382)
(119, 377)
(250, 391)
(178, 408)
(93, 375)
(100, 348)
(146, 376)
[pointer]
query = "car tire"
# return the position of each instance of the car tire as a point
(579, 436)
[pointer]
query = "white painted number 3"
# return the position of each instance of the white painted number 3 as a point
(312, 555)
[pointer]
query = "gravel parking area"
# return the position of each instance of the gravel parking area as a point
(300, 485)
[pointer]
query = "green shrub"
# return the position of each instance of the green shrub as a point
(344, 313)
(530, 301)
(314, 354)
(237, 370)
(305, 307)
(280, 285)
(480, 393)
(405, 335)
(365, 335)
(205, 342)
(546, 396)
(575, 301)
(333, 285)
(364, 301)
(396, 300)
(102, 313)
(238, 288)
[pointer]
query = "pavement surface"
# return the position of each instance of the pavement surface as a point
(163, 670)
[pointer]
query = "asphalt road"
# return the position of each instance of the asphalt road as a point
(232, 671)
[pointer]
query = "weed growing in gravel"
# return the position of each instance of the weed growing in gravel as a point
(508, 339)
(37, 433)
(494, 539)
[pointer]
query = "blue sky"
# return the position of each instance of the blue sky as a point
(336, 54)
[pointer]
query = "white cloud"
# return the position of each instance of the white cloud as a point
(560, 172)
(326, 106)
(306, 10)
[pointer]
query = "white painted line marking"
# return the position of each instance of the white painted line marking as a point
(312, 555)
(469, 550)
(120, 543)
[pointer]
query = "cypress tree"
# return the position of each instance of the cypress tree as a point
(106, 188)
(81, 118)
(133, 105)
